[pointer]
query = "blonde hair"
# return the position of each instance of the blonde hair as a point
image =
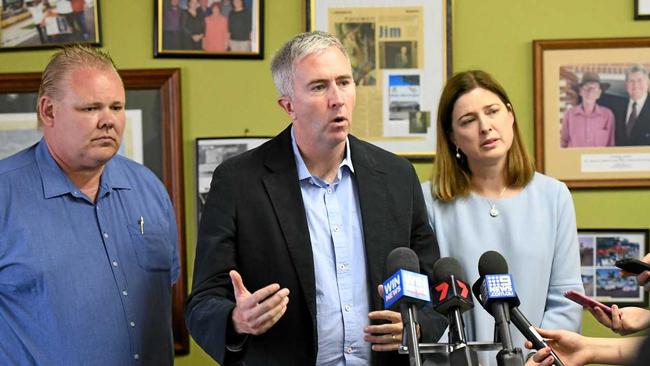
(452, 177)
(66, 60)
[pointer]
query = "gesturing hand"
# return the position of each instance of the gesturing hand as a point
(257, 312)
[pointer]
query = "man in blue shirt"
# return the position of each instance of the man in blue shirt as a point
(306, 222)
(88, 239)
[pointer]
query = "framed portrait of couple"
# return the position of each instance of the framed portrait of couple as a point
(209, 28)
(592, 111)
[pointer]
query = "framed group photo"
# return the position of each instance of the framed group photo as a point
(592, 128)
(400, 52)
(602, 280)
(212, 151)
(33, 24)
(209, 28)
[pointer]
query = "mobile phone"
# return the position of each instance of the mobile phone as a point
(587, 301)
(632, 265)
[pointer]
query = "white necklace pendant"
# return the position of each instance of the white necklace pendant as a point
(494, 212)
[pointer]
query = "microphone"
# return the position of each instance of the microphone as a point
(498, 265)
(496, 292)
(453, 298)
(404, 290)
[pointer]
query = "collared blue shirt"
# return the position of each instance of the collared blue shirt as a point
(84, 283)
(336, 232)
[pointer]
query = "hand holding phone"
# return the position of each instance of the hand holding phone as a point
(632, 265)
(587, 302)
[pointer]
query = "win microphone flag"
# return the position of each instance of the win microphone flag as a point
(406, 284)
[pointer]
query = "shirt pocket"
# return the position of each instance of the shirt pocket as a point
(152, 249)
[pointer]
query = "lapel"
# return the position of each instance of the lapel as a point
(373, 199)
(641, 125)
(282, 186)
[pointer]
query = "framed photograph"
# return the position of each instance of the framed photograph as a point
(592, 128)
(153, 104)
(30, 24)
(599, 250)
(212, 151)
(642, 9)
(400, 51)
(209, 28)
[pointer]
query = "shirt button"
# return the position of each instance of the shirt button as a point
(336, 229)
(342, 266)
(329, 190)
(124, 293)
(347, 308)
(106, 235)
(136, 356)
(348, 350)
(132, 324)
(114, 263)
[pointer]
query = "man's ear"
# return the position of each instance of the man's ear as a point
(287, 105)
(46, 110)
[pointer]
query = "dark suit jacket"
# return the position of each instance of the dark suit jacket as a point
(254, 221)
(640, 132)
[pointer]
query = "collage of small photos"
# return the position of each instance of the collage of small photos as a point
(602, 280)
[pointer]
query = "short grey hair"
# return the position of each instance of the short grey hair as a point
(66, 60)
(636, 68)
(298, 47)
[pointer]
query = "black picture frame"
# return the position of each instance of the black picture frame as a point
(599, 250)
(157, 93)
(212, 151)
(30, 25)
(641, 9)
(176, 43)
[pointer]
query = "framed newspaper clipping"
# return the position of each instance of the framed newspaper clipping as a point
(400, 51)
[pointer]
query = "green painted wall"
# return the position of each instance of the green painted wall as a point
(225, 97)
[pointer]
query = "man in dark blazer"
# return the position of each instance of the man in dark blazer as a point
(632, 114)
(271, 277)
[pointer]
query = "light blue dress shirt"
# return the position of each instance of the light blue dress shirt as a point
(336, 232)
(83, 282)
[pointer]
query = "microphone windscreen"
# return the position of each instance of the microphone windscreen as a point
(492, 262)
(402, 258)
(444, 267)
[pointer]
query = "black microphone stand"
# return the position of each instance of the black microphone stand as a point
(410, 340)
(461, 354)
(508, 356)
